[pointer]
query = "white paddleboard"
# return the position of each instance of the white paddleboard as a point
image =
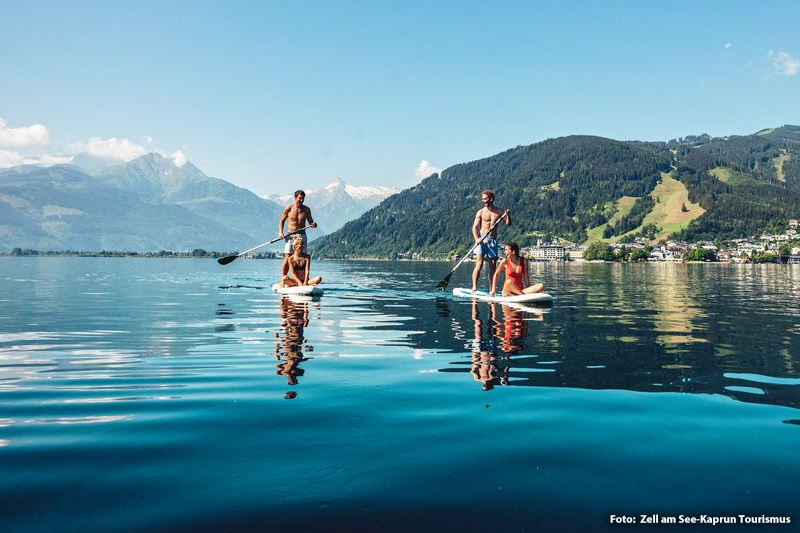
(533, 298)
(309, 290)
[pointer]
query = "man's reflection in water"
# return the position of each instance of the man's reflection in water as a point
(291, 341)
(484, 350)
(509, 335)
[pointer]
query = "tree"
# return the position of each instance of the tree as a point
(785, 249)
(641, 254)
(622, 254)
(598, 250)
(764, 257)
(701, 254)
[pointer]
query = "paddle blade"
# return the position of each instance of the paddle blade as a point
(227, 259)
(443, 284)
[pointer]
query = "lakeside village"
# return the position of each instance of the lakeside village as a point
(768, 248)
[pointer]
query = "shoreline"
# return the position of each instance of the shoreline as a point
(275, 256)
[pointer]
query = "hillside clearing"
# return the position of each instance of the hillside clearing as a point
(778, 163)
(670, 196)
(622, 207)
(731, 177)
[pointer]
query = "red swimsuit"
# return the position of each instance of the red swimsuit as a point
(514, 273)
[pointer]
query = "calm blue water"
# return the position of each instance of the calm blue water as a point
(177, 395)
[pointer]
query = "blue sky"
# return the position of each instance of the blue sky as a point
(278, 95)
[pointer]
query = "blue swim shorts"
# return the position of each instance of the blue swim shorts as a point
(487, 248)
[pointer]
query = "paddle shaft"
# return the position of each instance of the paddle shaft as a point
(446, 280)
(230, 258)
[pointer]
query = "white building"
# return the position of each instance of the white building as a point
(546, 252)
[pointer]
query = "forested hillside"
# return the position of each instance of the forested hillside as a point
(571, 185)
(560, 186)
(747, 184)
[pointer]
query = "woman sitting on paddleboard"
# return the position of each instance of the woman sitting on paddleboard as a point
(299, 266)
(516, 268)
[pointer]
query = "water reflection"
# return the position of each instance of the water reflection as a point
(499, 333)
(675, 328)
(291, 342)
(678, 315)
(484, 350)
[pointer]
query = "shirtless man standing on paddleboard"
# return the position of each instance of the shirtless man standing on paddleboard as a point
(488, 248)
(298, 216)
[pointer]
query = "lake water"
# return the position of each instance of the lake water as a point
(178, 395)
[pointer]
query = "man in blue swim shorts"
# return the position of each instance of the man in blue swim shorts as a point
(485, 234)
(299, 217)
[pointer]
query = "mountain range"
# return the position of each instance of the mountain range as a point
(586, 188)
(153, 203)
(579, 188)
(148, 204)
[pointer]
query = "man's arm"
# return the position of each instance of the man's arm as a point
(310, 218)
(284, 216)
(507, 218)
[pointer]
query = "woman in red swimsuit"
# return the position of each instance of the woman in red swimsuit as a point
(516, 268)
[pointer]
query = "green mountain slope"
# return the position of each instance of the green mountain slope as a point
(160, 180)
(746, 184)
(573, 187)
(63, 208)
(435, 216)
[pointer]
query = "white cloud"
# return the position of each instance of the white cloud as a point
(424, 170)
(111, 148)
(25, 137)
(728, 45)
(10, 159)
(179, 158)
(148, 139)
(13, 159)
(50, 160)
(784, 63)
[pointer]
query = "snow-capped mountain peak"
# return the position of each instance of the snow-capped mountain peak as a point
(336, 183)
(368, 191)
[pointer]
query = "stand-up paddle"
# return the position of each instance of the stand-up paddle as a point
(443, 284)
(231, 258)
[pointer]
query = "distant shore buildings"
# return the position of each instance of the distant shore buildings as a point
(779, 248)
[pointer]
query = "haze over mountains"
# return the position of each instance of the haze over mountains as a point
(153, 203)
(148, 204)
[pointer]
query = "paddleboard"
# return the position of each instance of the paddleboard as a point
(533, 298)
(308, 290)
